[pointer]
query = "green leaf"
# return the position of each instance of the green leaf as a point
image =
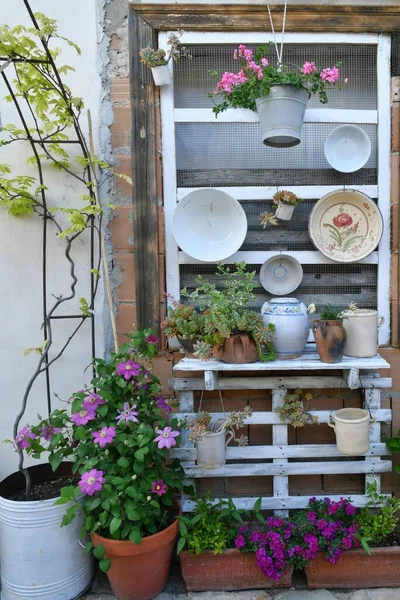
(260, 517)
(393, 444)
(105, 564)
(182, 528)
(181, 545)
(115, 525)
(123, 462)
(99, 551)
(135, 536)
(80, 433)
(257, 506)
(139, 455)
(236, 516)
(88, 547)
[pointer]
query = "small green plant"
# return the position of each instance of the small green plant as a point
(183, 320)
(152, 57)
(214, 525)
(285, 197)
(294, 410)
(378, 519)
(234, 421)
(332, 313)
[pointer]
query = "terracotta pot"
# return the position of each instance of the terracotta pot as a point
(187, 345)
(356, 569)
(140, 572)
(231, 570)
(330, 338)
(237, 349)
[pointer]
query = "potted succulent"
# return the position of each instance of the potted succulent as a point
(212, 437)
(279, 94)
(184, 322)
(119, 441)
(157, 59)
(295, 409)
(358, 548)
(232, 332)
(213, 552)
(329, 333)
(284, 203)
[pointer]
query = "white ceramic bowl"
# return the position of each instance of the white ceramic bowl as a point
(209, 225)
(281, 274)
(347, 148)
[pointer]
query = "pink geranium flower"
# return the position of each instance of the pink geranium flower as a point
(264, 62)
(93, 401)
(159, 487)
(47, 431)
(330, 75)
(23, 436)
(104, 436)
(92, 482)
(128, 369)
(83, 416)
(127, 414)
(308, 68)
(166, 437)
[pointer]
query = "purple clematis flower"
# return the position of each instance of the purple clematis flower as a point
(83, 416)
(104, 436)
(23, 436)
(128, 369)
(93, 401)
(92, 482)
(166, 437)
(47, 431)
(127, 414)
(159, 487)
(162, 404)
(151, 339)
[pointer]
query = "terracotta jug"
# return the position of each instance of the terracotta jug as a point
(237, 349)
(330, 338)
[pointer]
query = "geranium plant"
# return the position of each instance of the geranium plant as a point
(256, 75)
(118, 437)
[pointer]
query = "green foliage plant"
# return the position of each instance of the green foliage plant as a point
(157, 57)
(115, 434)
(332, 313)
(295, 410)
(378, 520)
(285, 197)
(183, 320)
(224, 309)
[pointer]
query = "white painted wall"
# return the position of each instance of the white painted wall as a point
(20, 239)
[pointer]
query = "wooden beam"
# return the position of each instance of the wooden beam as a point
(251, 16)
(144, 193)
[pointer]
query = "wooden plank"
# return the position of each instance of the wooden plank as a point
(307, 192)
(270, 503)
(258, 258)
(271, 383)
(280, 438)
(280, 451)
(200, 177)
(186, 405)
(245, 115)
(296, 468)
(144, 195)
(272, 418)
(308, 360)
(372, 403)
(210, 380)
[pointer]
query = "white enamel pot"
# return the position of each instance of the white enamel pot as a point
(351, 427)
(361, 328)
(211, 449)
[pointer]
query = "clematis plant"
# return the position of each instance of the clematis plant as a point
(118, 436)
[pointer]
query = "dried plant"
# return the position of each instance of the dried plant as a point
(294, 411)
(268, 218)
(234, 421)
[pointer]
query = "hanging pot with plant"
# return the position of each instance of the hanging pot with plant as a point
(157, 59)
(284, 203)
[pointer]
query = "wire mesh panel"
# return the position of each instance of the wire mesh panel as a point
(193, 80)
(395, 54)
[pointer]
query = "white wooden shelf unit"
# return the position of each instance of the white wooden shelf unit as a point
(356, 373)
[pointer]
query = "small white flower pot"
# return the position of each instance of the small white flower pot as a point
(161, 75)
(351, 427)
(284, 211)
(211, 449)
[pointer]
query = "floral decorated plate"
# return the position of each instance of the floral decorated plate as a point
(345, 225)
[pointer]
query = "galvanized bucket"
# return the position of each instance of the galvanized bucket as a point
(40, 559)
(281, 115)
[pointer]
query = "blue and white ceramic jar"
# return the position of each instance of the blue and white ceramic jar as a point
(290, 318)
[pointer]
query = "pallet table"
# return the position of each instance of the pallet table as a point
(356, 373)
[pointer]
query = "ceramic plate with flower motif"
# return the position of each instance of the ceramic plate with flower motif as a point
(345, 225)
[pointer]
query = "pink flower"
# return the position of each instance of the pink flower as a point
(228, 80)
(22, 438)
(342, 220)
(308, 68)
(330, 75)
(83, 416)
(47, 431)
(128, 369)
(253, 66)
(127, 414)
(159, 487)
(91, 482)
(93, 401)
(264, 62)
(166, 437)
(151, 339)
(243, 52)
(162, 404)
(104, 436)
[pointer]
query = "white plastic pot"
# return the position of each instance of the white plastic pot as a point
(211, 449)
(40, 559)
(351, 427)
(161, 75)
(284, 211)
(361, 328)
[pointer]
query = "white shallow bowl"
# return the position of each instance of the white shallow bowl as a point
(281, 274)
(347, 148)
(209, 225)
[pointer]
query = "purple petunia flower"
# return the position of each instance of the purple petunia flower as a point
(162, 404)
(93, 401)
(127, 414)
(151, 339)
(104, 436)
(240, 541)
(128, 369)
(83, 416)
(159, 487)
(92, 482)
(166, 437)
(47, 431)
(22, 438)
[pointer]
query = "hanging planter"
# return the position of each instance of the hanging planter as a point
(211, 449)
(161, 75)
(284, 203)
(281, 115)
(351, 427)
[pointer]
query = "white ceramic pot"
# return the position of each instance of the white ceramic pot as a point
(351, 427)
(292, 328)
(361, 328)
(161, 75)
(284, 212)
(211, 449)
